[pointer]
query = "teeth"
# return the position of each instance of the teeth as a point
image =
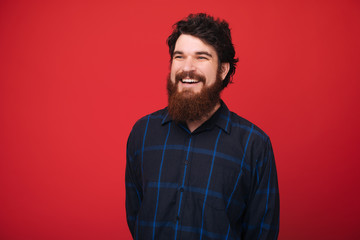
(189, 80)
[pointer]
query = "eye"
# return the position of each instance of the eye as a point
(202, 58)
(178, 57)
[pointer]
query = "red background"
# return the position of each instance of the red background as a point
(76, 75)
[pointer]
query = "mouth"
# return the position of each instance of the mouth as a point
(189, 78)
(189, 81)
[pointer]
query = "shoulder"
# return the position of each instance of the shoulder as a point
(157, 116)
(240, 125)
(252, 137)
(143, 123)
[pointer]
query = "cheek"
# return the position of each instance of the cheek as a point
(173, 72)
(210, 75)
(172, 76)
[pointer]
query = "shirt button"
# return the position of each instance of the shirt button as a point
(177, 218)
(181, 189)
(186, 162)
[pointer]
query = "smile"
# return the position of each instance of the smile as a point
(189, 80)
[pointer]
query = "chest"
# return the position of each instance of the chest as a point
(211, 163)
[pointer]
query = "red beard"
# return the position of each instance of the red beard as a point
(189, 106)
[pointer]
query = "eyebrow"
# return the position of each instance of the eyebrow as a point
(177, 52)
(196, 53)
(204, 53)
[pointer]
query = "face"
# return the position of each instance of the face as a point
(195, 81)
(194, 65)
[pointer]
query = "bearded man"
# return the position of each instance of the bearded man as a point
(195, 170)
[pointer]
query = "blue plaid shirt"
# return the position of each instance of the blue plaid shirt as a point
(218, 182)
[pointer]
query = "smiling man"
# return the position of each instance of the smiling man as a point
(196, 170)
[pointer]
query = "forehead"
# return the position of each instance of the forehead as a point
(189, 44)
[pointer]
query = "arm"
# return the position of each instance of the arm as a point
(262, 214)
(133, 189)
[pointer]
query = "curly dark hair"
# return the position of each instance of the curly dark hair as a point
(214, 32)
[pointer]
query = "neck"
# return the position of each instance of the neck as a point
(193, 125)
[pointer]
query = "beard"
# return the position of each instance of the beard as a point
(188, 105)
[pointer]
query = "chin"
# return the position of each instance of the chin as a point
(189, 90)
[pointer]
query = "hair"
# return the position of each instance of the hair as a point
(214, 32)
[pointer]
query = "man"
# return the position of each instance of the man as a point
(195, 170)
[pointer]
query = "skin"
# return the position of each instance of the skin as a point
(193, 54)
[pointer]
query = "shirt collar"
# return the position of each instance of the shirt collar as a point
(220, 118)
(223, 118)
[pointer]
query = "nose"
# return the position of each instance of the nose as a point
(188, 64)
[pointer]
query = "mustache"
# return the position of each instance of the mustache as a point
(189, 74)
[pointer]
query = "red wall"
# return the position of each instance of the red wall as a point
(76, 75)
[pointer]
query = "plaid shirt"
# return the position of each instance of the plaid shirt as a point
(217, 182)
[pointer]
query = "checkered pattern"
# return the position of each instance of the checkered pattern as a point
(218, 182)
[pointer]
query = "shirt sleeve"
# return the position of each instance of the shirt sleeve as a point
(132, 186)
(262, 213)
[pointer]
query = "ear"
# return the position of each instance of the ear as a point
(225, 67)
